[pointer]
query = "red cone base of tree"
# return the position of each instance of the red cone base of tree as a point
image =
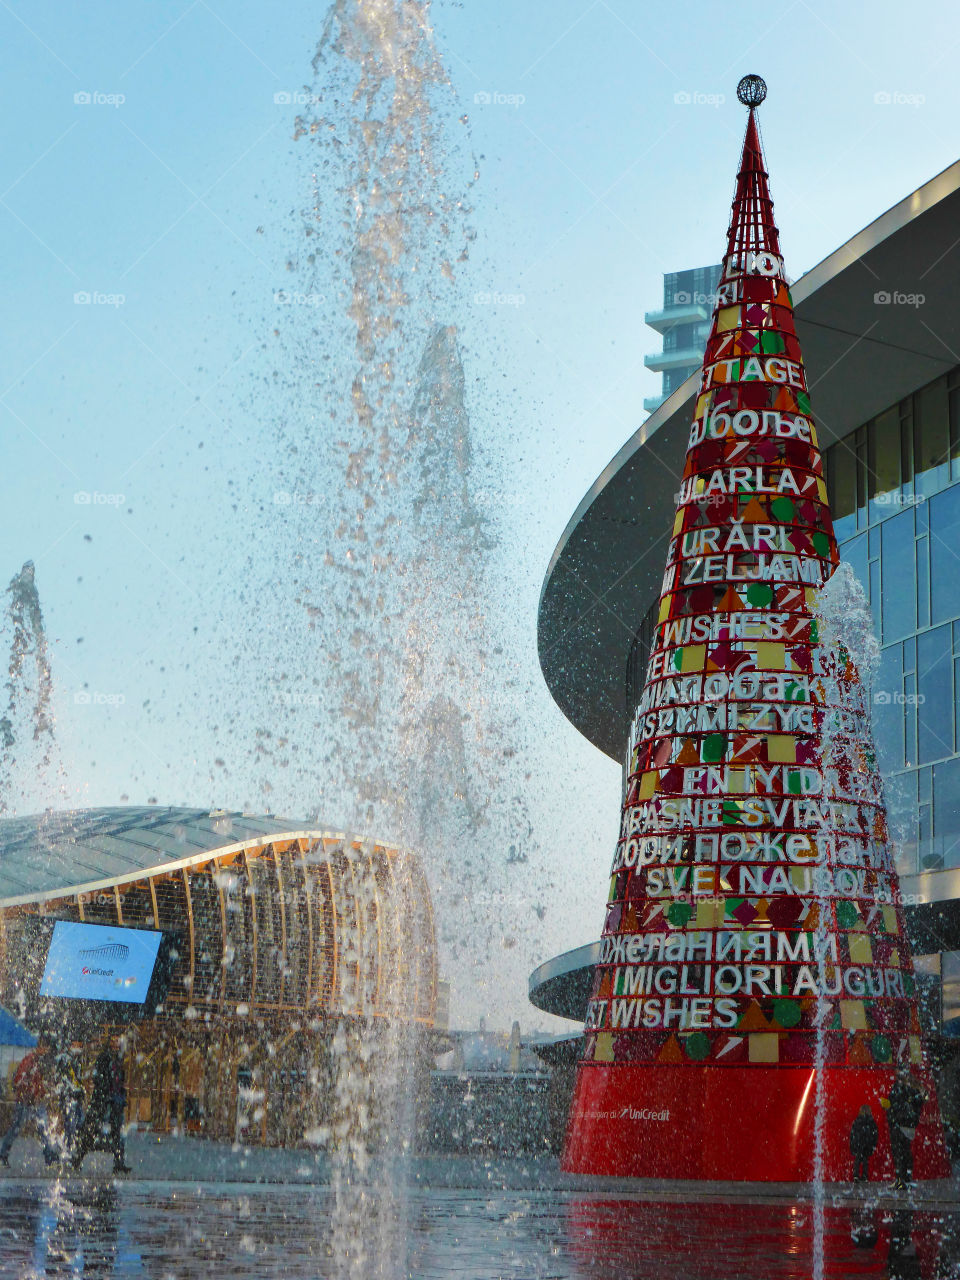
(735, 1124)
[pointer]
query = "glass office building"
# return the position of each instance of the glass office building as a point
(894, 485)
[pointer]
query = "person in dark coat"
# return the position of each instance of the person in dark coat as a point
(863, 1142)
(903, 1109)
(70, 1096)
(31, 1085)
(103, 1124)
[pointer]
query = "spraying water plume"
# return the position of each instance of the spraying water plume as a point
(26, 723)
(390, 655)
(414, 701)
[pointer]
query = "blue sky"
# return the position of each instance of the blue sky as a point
(596, 176)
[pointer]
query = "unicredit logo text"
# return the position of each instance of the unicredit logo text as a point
(97, 973)
(643, 1113)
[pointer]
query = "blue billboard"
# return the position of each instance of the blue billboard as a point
(100, 962)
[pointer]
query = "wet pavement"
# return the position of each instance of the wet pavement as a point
(501, 1220)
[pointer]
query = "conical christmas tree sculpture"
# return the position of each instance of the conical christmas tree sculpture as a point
(755, 985)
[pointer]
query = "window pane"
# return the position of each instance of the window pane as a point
(923, 581)
(906, 446)
(946, 811)
(954, 398)
(884, 476)
(927, 971)
(925, 786)
(888, 710)
(902, 810)
(874, 595)
(931, 444)
(935, 694)
(842, 486)
(950, 975)
(861, 439)
(928, 859)
(854, 553)
(910, 654)
(899, 611)
(945, 554)
(922, 517)
(910, 715)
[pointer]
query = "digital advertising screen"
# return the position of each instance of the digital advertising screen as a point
(100, 962)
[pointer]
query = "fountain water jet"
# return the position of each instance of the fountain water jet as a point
(27, 744)
(390, 567)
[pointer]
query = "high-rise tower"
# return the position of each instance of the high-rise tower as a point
(754, 971)
(684, 322)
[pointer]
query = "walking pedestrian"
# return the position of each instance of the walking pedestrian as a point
(102, 1127)
(70, 1096)
(863, 1142)
(30, 1087)
(903, 1108)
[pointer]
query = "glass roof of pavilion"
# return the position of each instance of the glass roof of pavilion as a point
(55, 854)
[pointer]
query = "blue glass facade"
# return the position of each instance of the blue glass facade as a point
(895, 491)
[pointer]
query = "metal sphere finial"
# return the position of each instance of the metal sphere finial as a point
(752, 90)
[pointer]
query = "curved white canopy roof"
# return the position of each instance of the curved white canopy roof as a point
(58, 854)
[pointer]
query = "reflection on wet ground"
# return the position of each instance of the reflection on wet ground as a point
(99, 1228)
(719, 1241)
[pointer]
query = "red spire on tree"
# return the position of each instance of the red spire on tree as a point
(752, 228)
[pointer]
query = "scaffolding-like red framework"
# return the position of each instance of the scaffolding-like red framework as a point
(754, 967)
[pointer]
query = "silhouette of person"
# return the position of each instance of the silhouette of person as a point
(863, 1142)
(103, 1125)
(903, 1109)
(70, 1097)
(30, 1086)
